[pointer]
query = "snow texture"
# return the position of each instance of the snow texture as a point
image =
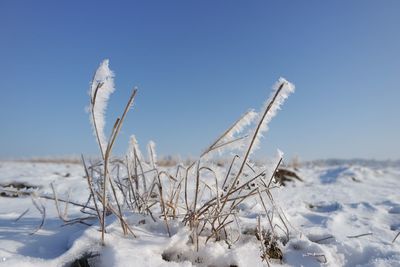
(325, 220)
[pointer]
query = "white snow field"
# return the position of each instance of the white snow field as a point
(340, 215)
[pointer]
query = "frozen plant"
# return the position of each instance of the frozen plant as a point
(101, 88)
(202, 195)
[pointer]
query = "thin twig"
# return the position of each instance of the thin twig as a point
(394, 239)
(42, 210)
(22, 215)
(357, 236)
(323, 239)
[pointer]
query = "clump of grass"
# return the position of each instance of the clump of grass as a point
(204, 194)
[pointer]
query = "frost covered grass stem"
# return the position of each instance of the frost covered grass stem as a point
(228, 136)
(101, 88)
(107, 155)
(283, 89)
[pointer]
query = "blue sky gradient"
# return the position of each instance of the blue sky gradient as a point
(199, 65)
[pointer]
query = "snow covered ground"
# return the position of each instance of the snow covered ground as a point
(340, 215)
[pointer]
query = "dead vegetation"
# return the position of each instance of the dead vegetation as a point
(282, 176)
(269, 244)
(17, 189)
(203, 194)
(61, 160)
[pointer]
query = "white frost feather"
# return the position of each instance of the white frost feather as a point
(228, 141)
(151, 152)
(104, 81)
(134, 148)
(247, 119)
(287, 89)
(271, 166)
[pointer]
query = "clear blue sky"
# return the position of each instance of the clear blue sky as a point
(199, 65)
